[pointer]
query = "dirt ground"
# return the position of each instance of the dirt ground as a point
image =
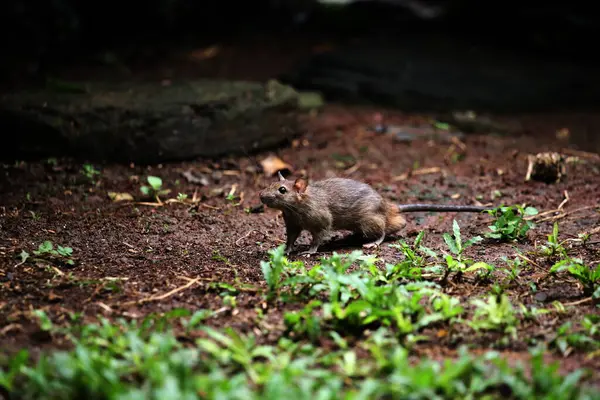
(127, 252)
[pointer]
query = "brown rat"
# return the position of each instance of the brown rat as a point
(340, 204)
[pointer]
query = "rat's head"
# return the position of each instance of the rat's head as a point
(283, 193)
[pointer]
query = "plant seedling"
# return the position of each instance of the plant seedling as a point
(588, 276)
(182, 197)
(154, 188)
(89, 172)
(458, 263)
(510, 223)
(553, 246)
(47, 252)
(495, 314)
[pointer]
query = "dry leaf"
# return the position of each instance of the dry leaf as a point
(54, 297)
(192, 178)
(563, 134)
(114, 196)
(272, 164)
(205, 54)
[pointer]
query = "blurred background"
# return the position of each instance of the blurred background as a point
(40, 36)
(502, 57)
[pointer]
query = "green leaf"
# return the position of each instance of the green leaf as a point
(428, 251)
(479, 265)
(266, 268)
(450, 243)
(560, 266)
(145, 190)
(24, 256)
(45, 247)
(472, 241)
(418, 239)
(45, 322)
(441, 125)
(155, 182)
(64, 251)
(14, 368)
(457, 238)
(530, 211)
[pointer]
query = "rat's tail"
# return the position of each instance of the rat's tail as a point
(440, 208)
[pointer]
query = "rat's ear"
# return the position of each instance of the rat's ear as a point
(300, 185)
(281, 178)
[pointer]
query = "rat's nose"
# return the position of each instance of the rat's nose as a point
(264, 197)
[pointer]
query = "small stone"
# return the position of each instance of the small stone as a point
(540, 297)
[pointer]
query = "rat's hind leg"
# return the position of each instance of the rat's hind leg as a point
(373, 227)
(317, 239)
(375, 243)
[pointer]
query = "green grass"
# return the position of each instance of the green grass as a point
(129, 360)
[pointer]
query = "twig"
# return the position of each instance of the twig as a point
(208, 206)
(353, 168)
(583, 154)
(104, 306)
(164, 295)
(21, 263)
(564, 214)
(528, 260)
(556, 210)
(58, 271)
(531, 217)
(459, 143)
(422, 171)
(10, 327)
(560, 206)
(578, 302)
(245, 236)
(138, 203)
(239, 289)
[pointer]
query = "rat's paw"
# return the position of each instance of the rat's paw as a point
(370, 245)
(307, 253)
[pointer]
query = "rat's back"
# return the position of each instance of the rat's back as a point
(344, 190)
(348, 200)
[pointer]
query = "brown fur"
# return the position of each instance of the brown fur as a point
(330, 205)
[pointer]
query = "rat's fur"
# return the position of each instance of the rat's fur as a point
(329, 205)
(338, 204)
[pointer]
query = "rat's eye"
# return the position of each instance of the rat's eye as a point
(282, 190)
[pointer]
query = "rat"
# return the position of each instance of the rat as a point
(340, 204)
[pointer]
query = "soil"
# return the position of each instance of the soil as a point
(127, 252)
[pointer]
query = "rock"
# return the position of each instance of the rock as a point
(445, 74)
(148, 123)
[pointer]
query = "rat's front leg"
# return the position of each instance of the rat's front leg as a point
(292, 231)
(317, 240)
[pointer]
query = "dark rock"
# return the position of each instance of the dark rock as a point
(445, 74)
(148, 123)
